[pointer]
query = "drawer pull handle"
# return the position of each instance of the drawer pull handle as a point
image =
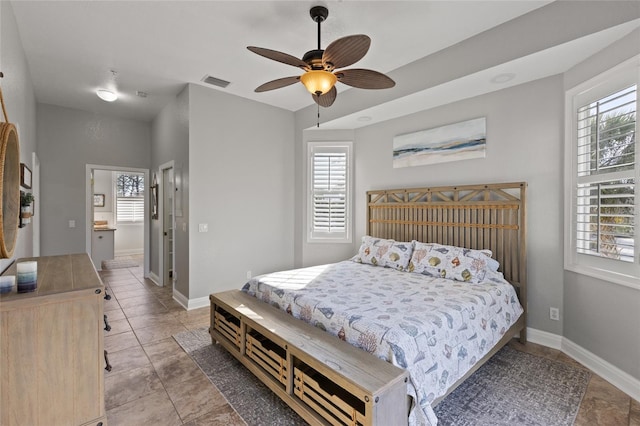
(107, 296)
(100, 237)
(106, 360)
(107, 327)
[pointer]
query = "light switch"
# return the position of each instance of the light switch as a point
(203, 227)
(184, 227)
(72, 224)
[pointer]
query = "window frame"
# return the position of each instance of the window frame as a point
(611, 270)
(140, 199)
(320, 237)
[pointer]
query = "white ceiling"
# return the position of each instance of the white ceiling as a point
(159, 46)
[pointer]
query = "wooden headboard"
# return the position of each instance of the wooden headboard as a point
(488, 216)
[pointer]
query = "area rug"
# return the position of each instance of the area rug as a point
(119, 264)
(513, 388)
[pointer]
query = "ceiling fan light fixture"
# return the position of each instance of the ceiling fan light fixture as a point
(319, 65)
(106, 95)
(318, 82)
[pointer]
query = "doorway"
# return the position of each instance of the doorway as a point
(166, 213)
(102, 201)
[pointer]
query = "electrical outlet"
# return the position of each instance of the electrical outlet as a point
(554, 314)
(248, 275)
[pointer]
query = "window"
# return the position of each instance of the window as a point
(330, 192)
(602, 175)
(129, 197)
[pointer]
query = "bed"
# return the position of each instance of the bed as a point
(436, 288)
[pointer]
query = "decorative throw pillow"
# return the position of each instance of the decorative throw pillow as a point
(455, 263)
(387, 253)
(492, 264)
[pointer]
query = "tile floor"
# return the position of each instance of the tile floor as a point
(153, 381)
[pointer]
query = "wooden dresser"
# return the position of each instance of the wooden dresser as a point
(51, 346)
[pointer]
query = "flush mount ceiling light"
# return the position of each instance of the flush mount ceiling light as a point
(320, 66)
(503, 78)
(106, 95)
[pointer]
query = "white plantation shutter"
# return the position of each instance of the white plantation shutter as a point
(130, 209)
(602, 238)
(329, 191)
(605, 202)
(329, 178)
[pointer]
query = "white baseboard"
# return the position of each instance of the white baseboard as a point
(181, 299)
(544, 338)
(190, 304)
(623, 381)
(153, 277)
(128, 252)
(200, 302)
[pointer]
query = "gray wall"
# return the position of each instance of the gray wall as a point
(603, 318)
(20, 102)
(68, 140)
(103, 184)
(599, 316)
(170, 141)
(241, 185)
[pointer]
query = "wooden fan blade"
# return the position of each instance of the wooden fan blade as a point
(345, 51)
(364, 79)
(327, 99)
(285, 58)
(276, 84)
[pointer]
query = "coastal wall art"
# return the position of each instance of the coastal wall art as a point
(459, 141)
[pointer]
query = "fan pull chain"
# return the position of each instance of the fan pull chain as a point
(318, 115)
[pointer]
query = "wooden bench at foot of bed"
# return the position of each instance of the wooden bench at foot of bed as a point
(325, 380)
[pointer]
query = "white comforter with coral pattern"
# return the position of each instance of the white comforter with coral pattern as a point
(435, 328)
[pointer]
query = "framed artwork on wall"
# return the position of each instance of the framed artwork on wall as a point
(458, 141)
(154, 197)
(98, 200)
(25, 176)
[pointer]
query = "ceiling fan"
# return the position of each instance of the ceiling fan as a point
(321, 66)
